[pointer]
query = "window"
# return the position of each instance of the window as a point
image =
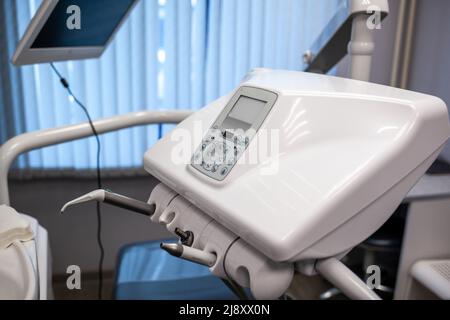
(170, 54)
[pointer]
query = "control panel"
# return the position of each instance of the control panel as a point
(229, 137)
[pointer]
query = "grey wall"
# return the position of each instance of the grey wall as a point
(430, 67)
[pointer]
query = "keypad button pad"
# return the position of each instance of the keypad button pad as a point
(219, 153)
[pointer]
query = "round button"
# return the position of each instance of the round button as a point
(230, 156)
(224, 171)
(214, 134)
(213, 154)
(241, 140)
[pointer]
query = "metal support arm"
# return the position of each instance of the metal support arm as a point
(345, 280)
(44, 138)
(360, 49)
(348, 32)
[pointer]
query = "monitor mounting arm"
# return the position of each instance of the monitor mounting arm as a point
(350, 31)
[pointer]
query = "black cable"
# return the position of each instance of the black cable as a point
(66, 85)
(229, 282)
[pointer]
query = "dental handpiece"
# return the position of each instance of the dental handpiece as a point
(190, 254)
(115, 200)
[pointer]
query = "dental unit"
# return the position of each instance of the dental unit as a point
(256, 222)
(246, 183)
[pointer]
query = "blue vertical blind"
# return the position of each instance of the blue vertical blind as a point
(170, 54)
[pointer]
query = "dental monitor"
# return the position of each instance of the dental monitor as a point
(71, 30)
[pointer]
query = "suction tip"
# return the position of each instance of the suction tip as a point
(173, 249)
(97, 195)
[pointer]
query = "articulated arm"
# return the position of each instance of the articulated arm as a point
(35, 140)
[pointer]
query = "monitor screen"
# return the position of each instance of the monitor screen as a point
(244, 113)
(98, 20)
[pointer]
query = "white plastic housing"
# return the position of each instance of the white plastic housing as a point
(235, 258)
(347, 153)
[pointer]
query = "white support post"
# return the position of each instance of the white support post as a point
(345, 280)
(361, 48)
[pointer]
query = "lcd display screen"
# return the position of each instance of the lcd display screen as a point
(244, 113)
